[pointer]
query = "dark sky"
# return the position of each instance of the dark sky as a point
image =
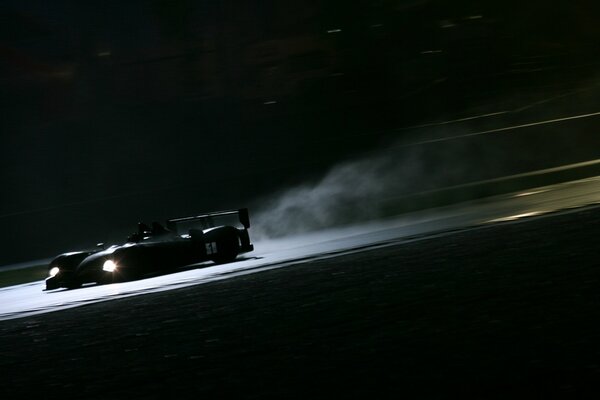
(114, 112)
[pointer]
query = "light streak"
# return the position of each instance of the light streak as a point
(504, 129)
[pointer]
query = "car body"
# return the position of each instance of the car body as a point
(155, 250)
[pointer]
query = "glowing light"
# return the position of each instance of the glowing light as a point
(266, 103)
(109, 266)
(54, 271)
(334, 31)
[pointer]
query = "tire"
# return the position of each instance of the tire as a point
(73, 284)
(227, 243)
(229, 249)
(105, 280)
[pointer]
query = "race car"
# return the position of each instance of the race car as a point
(156, 249)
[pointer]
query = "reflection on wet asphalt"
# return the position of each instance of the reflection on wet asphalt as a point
(503, 311)
(29, 299)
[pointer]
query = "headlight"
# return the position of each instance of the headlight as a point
(54, 271)
(109, 266)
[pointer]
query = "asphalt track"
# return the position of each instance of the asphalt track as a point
(29, 299)
(443, 304)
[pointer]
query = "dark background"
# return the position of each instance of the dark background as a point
(113, 112)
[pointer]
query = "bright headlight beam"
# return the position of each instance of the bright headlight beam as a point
(54, 271)
(109, 266)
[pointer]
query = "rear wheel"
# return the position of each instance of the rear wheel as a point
(227, 250)
(222, 244)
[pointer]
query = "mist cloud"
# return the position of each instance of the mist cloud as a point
(348, 193)
(426, 160)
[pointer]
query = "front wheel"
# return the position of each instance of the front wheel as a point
(73, 284)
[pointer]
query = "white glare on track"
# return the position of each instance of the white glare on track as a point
(29, 299)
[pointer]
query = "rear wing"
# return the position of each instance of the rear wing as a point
(207, 220)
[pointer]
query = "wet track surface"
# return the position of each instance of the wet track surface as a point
(502, 310)
(29, 299)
